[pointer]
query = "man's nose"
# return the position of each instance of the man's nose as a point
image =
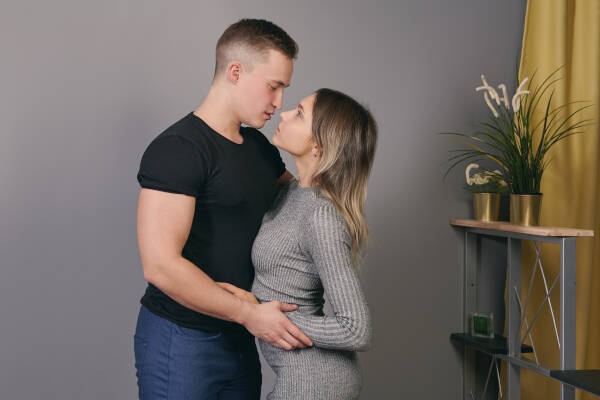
(278, 101)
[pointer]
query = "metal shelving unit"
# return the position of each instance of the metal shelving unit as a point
(512, 348)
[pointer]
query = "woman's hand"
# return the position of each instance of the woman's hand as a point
(237, 292)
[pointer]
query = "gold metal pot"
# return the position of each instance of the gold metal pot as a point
(486, 206)
(525, 209)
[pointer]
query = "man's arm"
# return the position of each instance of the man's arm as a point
(164, 223)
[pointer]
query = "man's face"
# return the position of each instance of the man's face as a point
(260, 91)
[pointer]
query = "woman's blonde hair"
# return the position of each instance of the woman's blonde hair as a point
(346, 135)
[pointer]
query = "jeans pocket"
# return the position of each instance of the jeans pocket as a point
(195, 334)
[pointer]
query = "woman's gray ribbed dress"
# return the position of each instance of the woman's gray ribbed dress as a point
(301, 252)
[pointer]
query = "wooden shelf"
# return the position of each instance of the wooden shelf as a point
(527, 230)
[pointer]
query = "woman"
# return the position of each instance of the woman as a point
(310, 242)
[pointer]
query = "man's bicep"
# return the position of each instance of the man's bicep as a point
(164, 223)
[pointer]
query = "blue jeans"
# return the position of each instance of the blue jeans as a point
(176, 363)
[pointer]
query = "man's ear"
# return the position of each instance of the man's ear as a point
(233, 72)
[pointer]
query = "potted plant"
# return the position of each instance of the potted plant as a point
(487, 187)
(518, 139)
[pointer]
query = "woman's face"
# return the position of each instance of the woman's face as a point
(294, 132)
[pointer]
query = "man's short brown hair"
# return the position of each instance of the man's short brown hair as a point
(247, 38)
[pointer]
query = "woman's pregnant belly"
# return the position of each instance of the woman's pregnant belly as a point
(313, 373)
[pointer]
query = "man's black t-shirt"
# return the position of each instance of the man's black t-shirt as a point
(234, 184)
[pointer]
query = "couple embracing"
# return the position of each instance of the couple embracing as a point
(234, 247)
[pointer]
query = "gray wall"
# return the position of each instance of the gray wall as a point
(85, 87)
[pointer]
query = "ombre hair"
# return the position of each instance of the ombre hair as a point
(346, 135)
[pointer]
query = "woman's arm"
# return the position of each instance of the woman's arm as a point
(325, 238)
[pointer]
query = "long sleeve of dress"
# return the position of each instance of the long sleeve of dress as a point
(325, 239)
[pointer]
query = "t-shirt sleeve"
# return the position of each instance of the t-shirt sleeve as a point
(272, 154)
(173, 164)
(278, 163)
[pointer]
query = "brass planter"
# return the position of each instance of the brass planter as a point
(486, 206)
(525, 209)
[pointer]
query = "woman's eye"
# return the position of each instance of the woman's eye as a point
(273, 88)
(298, 113)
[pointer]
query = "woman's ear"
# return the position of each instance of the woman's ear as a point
(316, 152)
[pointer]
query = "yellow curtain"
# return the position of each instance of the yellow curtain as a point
(556, 33)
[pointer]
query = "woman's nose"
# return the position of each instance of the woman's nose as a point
(284, 115)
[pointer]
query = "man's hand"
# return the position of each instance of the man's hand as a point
(238, 292)
(267, 322)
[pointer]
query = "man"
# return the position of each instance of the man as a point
(206, 184)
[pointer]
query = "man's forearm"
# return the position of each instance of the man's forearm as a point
(185, 283)
(188, 285)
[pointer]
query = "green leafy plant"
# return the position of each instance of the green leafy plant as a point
(509, 137)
